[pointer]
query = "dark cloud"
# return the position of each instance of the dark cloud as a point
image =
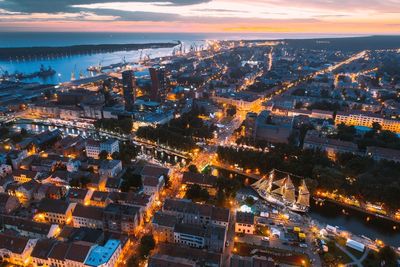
(54, 6)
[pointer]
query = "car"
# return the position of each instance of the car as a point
(303, 245)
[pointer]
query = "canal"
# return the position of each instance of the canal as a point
(356, 222)
(153, 153)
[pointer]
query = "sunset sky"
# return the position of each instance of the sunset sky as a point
(264, 16)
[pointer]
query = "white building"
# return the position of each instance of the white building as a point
(110, 145)
(55, 211)
(105, 256)
(86, 216)
(93, 148)
(110, 168)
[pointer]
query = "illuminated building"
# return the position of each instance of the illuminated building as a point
(24, 176)
(55, 211)
(93, 147)
(104, 256)
(194, 213)
(205, 181)
(121, 218)
(163, 225)
(366, 119)
(79, 195)
(315, 141)
(212, 237)
(244, 223)
(243, 101)
(29, 228)
(16, 250)
(86, 216)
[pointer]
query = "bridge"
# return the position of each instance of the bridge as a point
(223, 166)
(148, 144)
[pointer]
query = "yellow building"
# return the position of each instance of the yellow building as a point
(367, 119)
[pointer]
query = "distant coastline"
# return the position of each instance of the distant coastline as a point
(348, 43)
(44, 51)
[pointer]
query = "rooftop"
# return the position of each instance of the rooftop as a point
(187, 206)
(163, 219)
(102, 254)
(13, 243)
(53, 206)
(43, 248)
(88, 212)
(154, 171)
(26, 224)
(244, 217)
(77, 193)
(78, 251)
(121, 209)
(160, 260)
(198, 178)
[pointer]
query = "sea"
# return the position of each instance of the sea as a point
(76, 65)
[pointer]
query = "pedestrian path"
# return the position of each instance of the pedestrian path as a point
(355, 261)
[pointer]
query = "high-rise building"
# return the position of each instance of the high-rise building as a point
(158, 83)
(129, 90)
(161, 79)
(155, 84)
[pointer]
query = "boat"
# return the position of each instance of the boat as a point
(282, 192)
(303, 199)
(43, 72)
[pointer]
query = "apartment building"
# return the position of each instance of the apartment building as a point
(367, 119)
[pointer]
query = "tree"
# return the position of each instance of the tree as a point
(387, 257)
(131, 180)
(103, 155)
(228, 186)
(345, 133)
(133, 261)
(167, 181)
(24, 132)
(231, 111)
(193, 168)
(376, 126)
(249, 201)
(16, 138)
(147, 244)
(80, 182)
(120, 126)
(116, 156)
(196, 193)
(127, 152)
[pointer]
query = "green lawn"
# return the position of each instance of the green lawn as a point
(335, 256)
